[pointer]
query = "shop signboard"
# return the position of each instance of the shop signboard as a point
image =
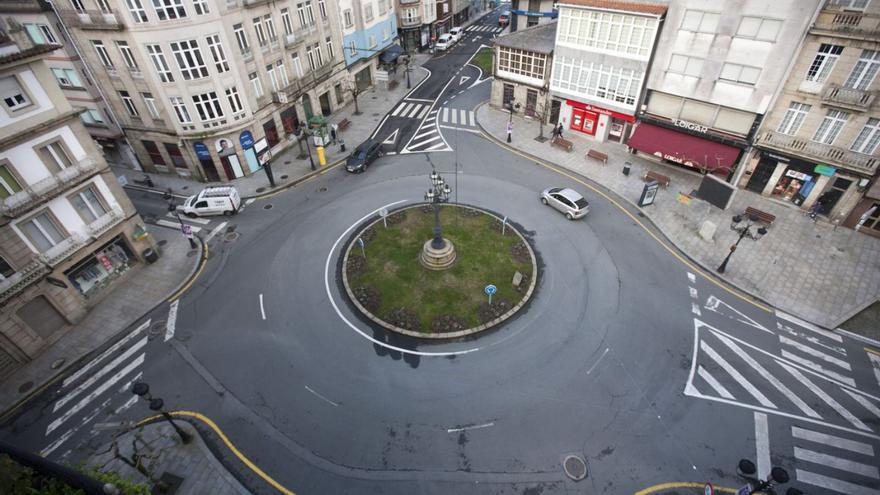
(826, 170)
(246, 139)
(690, 125)
(105, 261)
(797, 175)
(202, 151)
(261, 146)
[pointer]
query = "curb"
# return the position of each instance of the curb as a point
(294, 182)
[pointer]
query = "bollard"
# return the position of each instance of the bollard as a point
(626, 166)
(321, 158)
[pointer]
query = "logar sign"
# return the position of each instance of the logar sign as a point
(690, 125)
(674, 158)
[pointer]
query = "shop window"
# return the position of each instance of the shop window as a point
(55, 156)
(153, 151)
(89, 204)
(9, 185)
(42, 230)
(176, 155)
(94, 272)
(339, 95)
(6, 269)
(271, 132)
(289, 120)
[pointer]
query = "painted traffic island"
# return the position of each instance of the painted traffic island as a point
(398, 276)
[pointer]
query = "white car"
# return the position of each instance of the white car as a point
(567, 201)
(444, 42)
(457, 33)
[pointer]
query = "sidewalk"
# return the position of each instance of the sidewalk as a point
(287, 167)
(161, 451)
(814, 271)
(143, 288)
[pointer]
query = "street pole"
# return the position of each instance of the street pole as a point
(723, 266)
(407, 70)
(309, 149)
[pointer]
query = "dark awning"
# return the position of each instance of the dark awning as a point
(684, 149)
(391, 54)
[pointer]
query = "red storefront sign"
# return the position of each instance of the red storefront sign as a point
(105, 261)
(604, 111)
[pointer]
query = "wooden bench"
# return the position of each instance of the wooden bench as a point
(343, 124)
(598, 155)
(662, 179)
(762, 216)
(562, 143)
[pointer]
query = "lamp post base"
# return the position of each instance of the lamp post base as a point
(437, 259)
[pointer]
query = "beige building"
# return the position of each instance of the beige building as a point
(819, 140)
(68, 233)
(523, 60)
(196, 84)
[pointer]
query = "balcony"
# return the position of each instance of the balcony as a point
(836, 21)
(822, 153)
(279, 97)
(93, 20)
(292, 40)
(46, 189)
(64, 249)
(411, 21)
(22, 279)
(851, 98)
(406, 2)
(253, 3)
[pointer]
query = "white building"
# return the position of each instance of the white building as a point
(368, 28)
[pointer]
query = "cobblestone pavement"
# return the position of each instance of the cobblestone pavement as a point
(813, 270)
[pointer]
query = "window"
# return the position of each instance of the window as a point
(682, 64)
(864, 71)
(866, 141)
(271, 132)
(849, 4)
(605, 31)
(153, 150)
(373, 42)
(310, 13)
(180, 110)
(830, 127)
(208, 106)
(89, 204)
(823, 62)
(92, 116)
(270, 27)
(322, 9)
(614, 84)
(138, 14)
(128, 103)
(297, 65)
(103, 55)
(319, 54)
(330, 52)
(78, 6)
(313, 58)
(67, 78)
(383, 7)
(793, 118)
(6, 269)
(285, 21)
(216, 49)
(241, 38)
(8, 183)
(346, 16)
(270, 70)
(104, 5)
(339, 96)
(40, 34)
(201, 7)
(42, 231)
(169, 9)
(189, 59)
(150, 103)
(127, 55)
(305, 13)
(368, 12)
(759, 29)
(522, 62)
(160, 63)
(740, 73)
(352, 49)
(386, 33)
(261, 35)
(14, 96)
(234, 100)
(700, 22)
(256, 85)
(281, 72)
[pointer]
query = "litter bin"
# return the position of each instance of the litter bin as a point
(151, 255)
(626, 166)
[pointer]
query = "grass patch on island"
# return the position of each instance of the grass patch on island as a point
(483, 60)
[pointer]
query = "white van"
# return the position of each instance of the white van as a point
(457, 33)
(221, 200)
(444, 42)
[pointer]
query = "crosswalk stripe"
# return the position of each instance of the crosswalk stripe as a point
(833, 484)
(463, 118)
(436, 146)
(809, 326)
(416, 145)
(818, 368)
(100, 373)
(69, 433)
(426, 133)
(188, 219)
(398, 109)
(825, 397)
(772, 379)
(423, 112)
(454, 115)
(445, 117)
(85, 369)
(471, 119)
(836, 462)
(833, 441)
(128, 403)
(413, 111)
(875, 363)
(736, 375)
(864, 402)
(714, 383)
(175, 225)
(813, 352)
(812, 339)
(95, 393)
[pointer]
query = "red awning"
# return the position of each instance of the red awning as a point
(684, 149)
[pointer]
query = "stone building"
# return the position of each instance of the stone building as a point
(68, 233)
(523, 60)
(819, 140)
(414, 20)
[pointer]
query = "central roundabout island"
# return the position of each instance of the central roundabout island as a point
(401, 273)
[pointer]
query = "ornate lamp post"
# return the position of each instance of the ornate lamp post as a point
(745, 230)
(142, 389)
(438, 253)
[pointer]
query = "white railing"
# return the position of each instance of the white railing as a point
(850, 97)
(21, 279)
(47, 188)
(823, 153)
(61, 251)
(106, 221)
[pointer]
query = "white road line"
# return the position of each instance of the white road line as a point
(99, 374)
(762, 445)
(691, 277)
(445, 116)
(736, 375)
(769, 377)
(462, 117)
(415, 110)
(85, 369)
(215, 231)
(818, 368)
(713, 303)
(825, 439)
(465, 129)
(598, 360)
(69, 433)
(175, 225)
(399, 108)
(693, 292)
(864, 402)
(95, 393)
(473, 122)
(719, 388)
(248, 202)
(875, 363)
(695, 309)
(808, 326)
(322, 397)
(825, 397)
(474, 427)
(434, 112)
(262, 310)
(836, 462)
(427, 133)
(126, 387)
(420, 99)
(420, 143)
(813, 352)
(128, 404)
(436, 147)
(423, 112)
(171, 324)
(454, 116)
(812, 339)
(833, 484)
(188, 219)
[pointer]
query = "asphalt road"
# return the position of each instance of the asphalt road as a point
(628, 356)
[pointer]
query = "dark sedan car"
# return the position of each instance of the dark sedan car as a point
(363, 155)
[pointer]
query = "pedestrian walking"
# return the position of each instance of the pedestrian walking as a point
(333, 130)
(559, 130)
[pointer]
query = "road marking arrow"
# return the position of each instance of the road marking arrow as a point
(463, 80)
(391, 139)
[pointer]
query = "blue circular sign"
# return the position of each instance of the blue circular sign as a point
(246, 139)
(490, 289)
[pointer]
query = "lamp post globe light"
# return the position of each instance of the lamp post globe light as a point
(745, 230)
(437, 253)
(142, 389)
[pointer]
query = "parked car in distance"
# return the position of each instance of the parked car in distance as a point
(221, 200)
(566, 200)
(457, 33)
(504, 18)
(444, 42)
(363, 155)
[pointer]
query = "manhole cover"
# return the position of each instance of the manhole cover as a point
(575, 467)
(267, 207)
(323, 189)
(162, 242)
(374, 97)
(286, 162)
(283, 177)
(25, 387)
(261, 189)
(185, 188)
(157, 328)
(231, 236)
(58, 363)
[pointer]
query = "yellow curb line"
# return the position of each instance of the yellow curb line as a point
(682, 484)
(872, 351)
(195, 277)
(247, 462)
(320, 172)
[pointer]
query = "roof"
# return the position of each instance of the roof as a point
(538, 39)
(30, 52)
(652, 8)
(571, 195)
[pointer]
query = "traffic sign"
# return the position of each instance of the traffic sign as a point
(187, 230)
(745, 489)
(708, 489)
(490, 289)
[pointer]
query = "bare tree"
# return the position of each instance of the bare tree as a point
(355, 90)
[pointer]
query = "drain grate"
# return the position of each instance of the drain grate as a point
(231, 236)
(267, 207)
(260, 189)
(323, 189)
(284, 177)
(157, 328)
(575, 467)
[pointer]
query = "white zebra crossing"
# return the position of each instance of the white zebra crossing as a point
(409, 110)
(484, 29)
(458, 117)
(859, 460)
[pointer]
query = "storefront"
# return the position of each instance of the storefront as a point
(865, 217)
(96, 271)
(592, 120)
(674, 147)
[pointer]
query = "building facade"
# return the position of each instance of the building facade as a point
(819, 140)
(368, 28)
(443, 22)
(600, 64)
(415, 19)
(714, 75)
(528, 13)
(523, 61)
(68, 233)
(195, 84)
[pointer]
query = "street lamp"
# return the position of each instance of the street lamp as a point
(778, 476)
(513, 107)
(745, 230)
(407, 70)
(305, 134)
(439, 193)
(141, 389)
